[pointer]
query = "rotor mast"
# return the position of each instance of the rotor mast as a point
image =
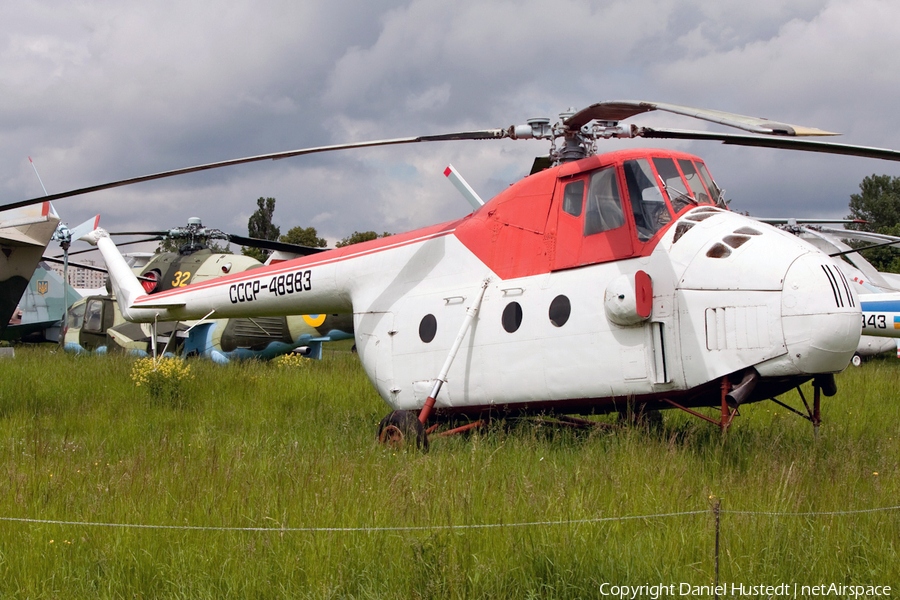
(569, 141)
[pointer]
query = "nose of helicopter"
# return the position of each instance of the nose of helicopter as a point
(820, 315)
(768, 299)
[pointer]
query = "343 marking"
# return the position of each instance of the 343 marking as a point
(874, 321)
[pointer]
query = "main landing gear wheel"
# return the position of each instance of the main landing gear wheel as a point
(856, 360)
(402, 428)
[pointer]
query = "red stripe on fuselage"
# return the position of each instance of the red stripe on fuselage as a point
(323, 258)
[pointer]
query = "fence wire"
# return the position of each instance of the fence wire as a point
(445, 527)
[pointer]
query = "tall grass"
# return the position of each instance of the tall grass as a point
(254, 446)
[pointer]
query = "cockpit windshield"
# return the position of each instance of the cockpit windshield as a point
(673, 183)
(647, 203)
(688, 186)
(693, 179)
(711, 186)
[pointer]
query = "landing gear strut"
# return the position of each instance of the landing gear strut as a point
(822, 384)
(728, 413)
(404, 424)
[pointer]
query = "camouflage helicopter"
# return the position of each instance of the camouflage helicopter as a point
(95, 323)
(24, 233)
(41, 307)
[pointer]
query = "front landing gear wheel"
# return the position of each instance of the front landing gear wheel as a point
(856, 360)
(402, 428)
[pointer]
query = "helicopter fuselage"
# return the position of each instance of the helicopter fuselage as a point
(610, 279)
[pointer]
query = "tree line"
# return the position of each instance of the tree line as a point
(878, 204)
(261, 226)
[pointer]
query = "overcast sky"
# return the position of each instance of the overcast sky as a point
(96, 91)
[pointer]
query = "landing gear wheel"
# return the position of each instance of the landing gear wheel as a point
(856, 360)
(401, 429)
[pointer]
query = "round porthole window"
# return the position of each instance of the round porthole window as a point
(427, 328)
(512, 317)
(560, 309)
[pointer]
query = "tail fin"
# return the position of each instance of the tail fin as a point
(125, 283)
(88, 226)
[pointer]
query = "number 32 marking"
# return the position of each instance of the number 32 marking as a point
(181, 278)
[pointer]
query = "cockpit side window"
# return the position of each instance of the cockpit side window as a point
(573, 198)
(604, 206)
(651, 213)
(93, 316)
(673, 183)
(75, 318)
(693, 179)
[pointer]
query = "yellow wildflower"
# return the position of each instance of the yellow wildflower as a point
(162, 378)
(291, 361)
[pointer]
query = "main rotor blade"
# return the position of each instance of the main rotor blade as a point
(237, 239)
(153, 239)
(864, 248)
(484, 134)
(89, 267)
(72, 264)
(273, 245)
(789, 221)
(619, 110)
(862, 236)
(161, 233)
(771, 142)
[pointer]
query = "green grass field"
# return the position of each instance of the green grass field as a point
(258, 481)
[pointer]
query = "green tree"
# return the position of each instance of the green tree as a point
(219, 247)
(260, 226)
(878, 203)
(358, 237)
(301, 236)
(167, 245)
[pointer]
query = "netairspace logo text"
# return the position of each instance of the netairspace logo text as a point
(736, 590)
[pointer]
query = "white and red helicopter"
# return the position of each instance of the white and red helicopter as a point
(601, 282)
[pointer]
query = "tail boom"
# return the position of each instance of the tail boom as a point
(301, 286)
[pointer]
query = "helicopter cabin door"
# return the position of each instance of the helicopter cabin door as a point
(592, 225)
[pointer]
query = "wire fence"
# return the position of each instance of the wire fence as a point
(716, 510)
